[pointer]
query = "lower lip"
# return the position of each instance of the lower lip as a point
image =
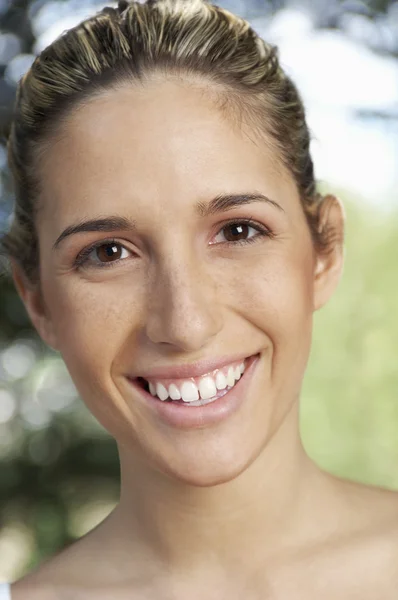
(184, 416)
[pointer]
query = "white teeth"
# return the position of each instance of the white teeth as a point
(207, 388)
(221, 381)
(174, 392)
(231, 377)
(189, 391)
(161, 391)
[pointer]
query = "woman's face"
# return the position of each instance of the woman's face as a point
(178, 284)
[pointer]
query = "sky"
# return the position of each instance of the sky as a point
(338, 77)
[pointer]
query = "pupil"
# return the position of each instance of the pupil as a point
(237, 230)
(108, 251)
(111, 250)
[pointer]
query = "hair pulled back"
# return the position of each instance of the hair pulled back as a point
(128, 44)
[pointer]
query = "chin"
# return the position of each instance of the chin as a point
(212, 468)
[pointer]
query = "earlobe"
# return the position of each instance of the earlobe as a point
(329, 263)
(32, 298)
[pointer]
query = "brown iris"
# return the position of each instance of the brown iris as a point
(238, 230)
(110, 251)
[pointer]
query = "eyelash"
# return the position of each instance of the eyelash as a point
(262, 231)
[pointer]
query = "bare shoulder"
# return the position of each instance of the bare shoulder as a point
(355, 555)
(57, 578)
(372, 538)
(85, 569)
(23, 590)
(378, 506)
(371, 552)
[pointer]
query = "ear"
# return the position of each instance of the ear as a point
(32, 297)
(329, 264)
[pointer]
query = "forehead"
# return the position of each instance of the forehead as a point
(165, 141)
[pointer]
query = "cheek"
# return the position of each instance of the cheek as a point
(275, 287)
(91, 323)
(276, 296)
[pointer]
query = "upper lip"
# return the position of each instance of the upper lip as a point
(195, 369)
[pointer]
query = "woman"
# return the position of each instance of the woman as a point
(170, 242)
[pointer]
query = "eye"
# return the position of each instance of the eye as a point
(242, 232)
(102, 254)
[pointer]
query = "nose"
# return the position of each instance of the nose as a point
(183, 310)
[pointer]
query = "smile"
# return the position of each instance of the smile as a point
(197, 412)
(196, 391)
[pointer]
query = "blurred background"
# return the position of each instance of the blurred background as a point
(59, 472)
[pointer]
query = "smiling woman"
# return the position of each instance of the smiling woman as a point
(169, 240)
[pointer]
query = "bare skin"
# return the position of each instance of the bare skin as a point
(233, 511)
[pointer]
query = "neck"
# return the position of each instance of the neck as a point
(262, 511)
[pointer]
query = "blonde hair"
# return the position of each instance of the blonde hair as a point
(128, 44)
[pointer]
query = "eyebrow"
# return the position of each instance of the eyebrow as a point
(221, 203)
(224, 202)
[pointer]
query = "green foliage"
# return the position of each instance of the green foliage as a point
(349, 402)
